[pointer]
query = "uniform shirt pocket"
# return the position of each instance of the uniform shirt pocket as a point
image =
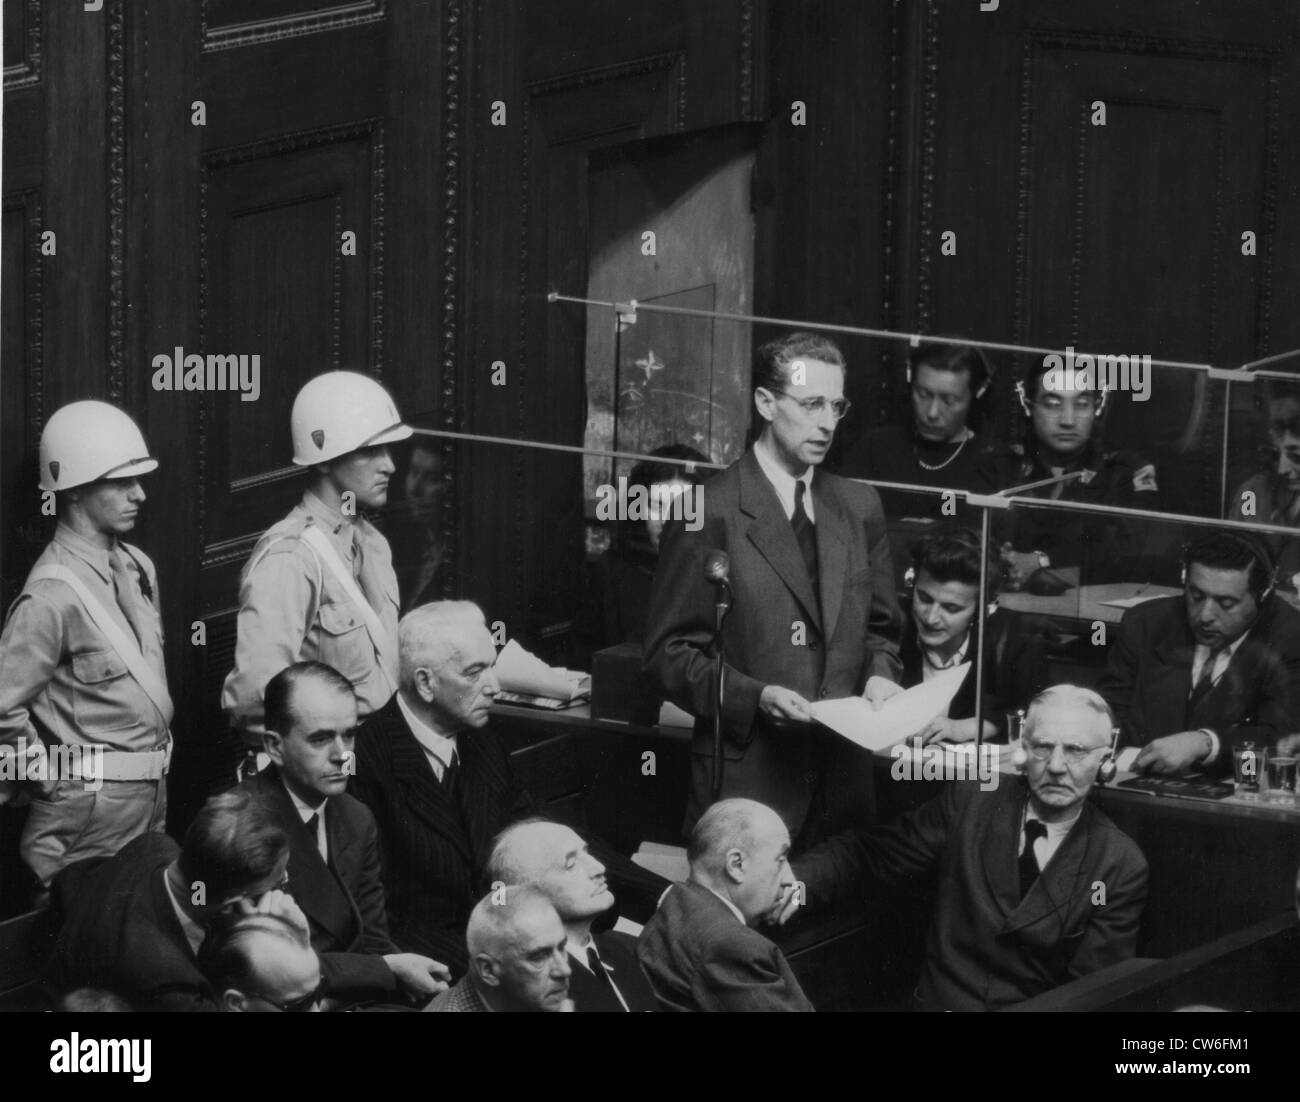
(101, 692)
(345, 643)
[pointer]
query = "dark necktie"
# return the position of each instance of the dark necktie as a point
(124, 589)
(1028, 862)
(1204, 683)
(451, 773)
(805, 532)
(313, 828)
(602, 977)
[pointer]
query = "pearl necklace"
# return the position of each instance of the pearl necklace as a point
(940, 466)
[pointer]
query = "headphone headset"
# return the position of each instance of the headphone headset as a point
(1105, 771)
(1258, 551)
(981, 364)
(1027, 406)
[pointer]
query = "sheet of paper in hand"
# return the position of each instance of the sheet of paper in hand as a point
(900, 717)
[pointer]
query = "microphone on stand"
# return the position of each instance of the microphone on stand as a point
(717, 571)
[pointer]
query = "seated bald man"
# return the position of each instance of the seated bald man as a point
(262, 963)
(518, 960)
(699, 951)
(1036, 885)
(555, 860)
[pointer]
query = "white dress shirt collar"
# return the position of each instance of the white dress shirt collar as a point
(439, 749)
(1202, 655)
(194, 933)
(305, 812)
(783, 482)
(731, 907)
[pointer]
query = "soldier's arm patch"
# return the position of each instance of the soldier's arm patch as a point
(1144, 479)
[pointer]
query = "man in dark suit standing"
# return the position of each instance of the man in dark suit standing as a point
(1036, 885)
(437, 779)
(133, 923)
(699, 950)
(814, 614)
(1188, 676)
(553, 859)
(334, 868)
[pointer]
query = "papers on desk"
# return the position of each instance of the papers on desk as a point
(1129, 602)
(525, 675)
(901, 716)
(668, 861)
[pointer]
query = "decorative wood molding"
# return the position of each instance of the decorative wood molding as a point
(889, 220)
(28, 203)
(453, 120)
(117, 201)
(747, 67)
(225, 552)
(929, 123)
(372, 131)
(258, 31)
(602, 74)
(28, 72)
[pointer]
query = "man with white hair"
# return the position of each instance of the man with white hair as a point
(1036, 885)
(699, 951)
(518, 959)
(434, 773)
(555, 860)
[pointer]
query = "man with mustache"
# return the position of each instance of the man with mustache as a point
(553, 859)
(1036, 886)
(334, 865)
(1188, 676)
(319, 585)
(81, 657)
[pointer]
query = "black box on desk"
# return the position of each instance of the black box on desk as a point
(619, 690)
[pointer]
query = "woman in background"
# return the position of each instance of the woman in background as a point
(944, 628)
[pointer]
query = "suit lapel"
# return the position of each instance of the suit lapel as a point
(311, 883)
(427, 800)
(832, 550)
(1052, 895)
(1001, 871)
(772, 535)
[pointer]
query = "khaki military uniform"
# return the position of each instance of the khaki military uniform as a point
(64, 686)
(292, 608)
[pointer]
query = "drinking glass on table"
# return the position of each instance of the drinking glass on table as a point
(1246, 768)
(1280, 773)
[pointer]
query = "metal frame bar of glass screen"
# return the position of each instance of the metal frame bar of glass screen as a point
(986, 503)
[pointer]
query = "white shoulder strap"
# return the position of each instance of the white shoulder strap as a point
(128, 650)
(326, 553)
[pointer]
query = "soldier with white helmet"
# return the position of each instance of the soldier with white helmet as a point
(81, 655)
(319, 585)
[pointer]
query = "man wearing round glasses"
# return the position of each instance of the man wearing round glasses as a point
(1036, 885)
(813, 610)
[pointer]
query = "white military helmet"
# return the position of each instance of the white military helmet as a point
(339, 412)
(86, 441)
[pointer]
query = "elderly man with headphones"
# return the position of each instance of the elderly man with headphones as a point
(1187, 676)
(320, 585)
(1036, 885)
